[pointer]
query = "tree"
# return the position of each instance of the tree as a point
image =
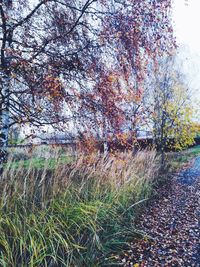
(43, 46)
(131, 37)
(50, 48)
(171, 109)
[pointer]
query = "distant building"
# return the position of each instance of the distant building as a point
(56, 138)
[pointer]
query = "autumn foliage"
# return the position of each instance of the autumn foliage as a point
(84, 66)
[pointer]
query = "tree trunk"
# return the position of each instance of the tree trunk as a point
(4, 116)
(105, 137)
(5, 77)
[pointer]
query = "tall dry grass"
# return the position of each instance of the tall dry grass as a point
(74, 214)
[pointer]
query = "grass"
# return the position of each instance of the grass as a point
(176, 160)
(39, 157)
(55, 211)
(190, 153)
(40, 163)
(74, 214)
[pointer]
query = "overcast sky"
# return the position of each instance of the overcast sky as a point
(186, 16)
(187, 21)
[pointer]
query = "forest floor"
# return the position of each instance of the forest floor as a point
(171, 224)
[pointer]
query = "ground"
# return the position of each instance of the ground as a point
(170, 224)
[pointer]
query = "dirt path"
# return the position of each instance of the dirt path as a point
(173, 223)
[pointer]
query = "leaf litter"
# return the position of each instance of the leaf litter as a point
(172, 221)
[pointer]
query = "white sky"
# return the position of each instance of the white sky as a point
(187, 22)
(186, 16)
